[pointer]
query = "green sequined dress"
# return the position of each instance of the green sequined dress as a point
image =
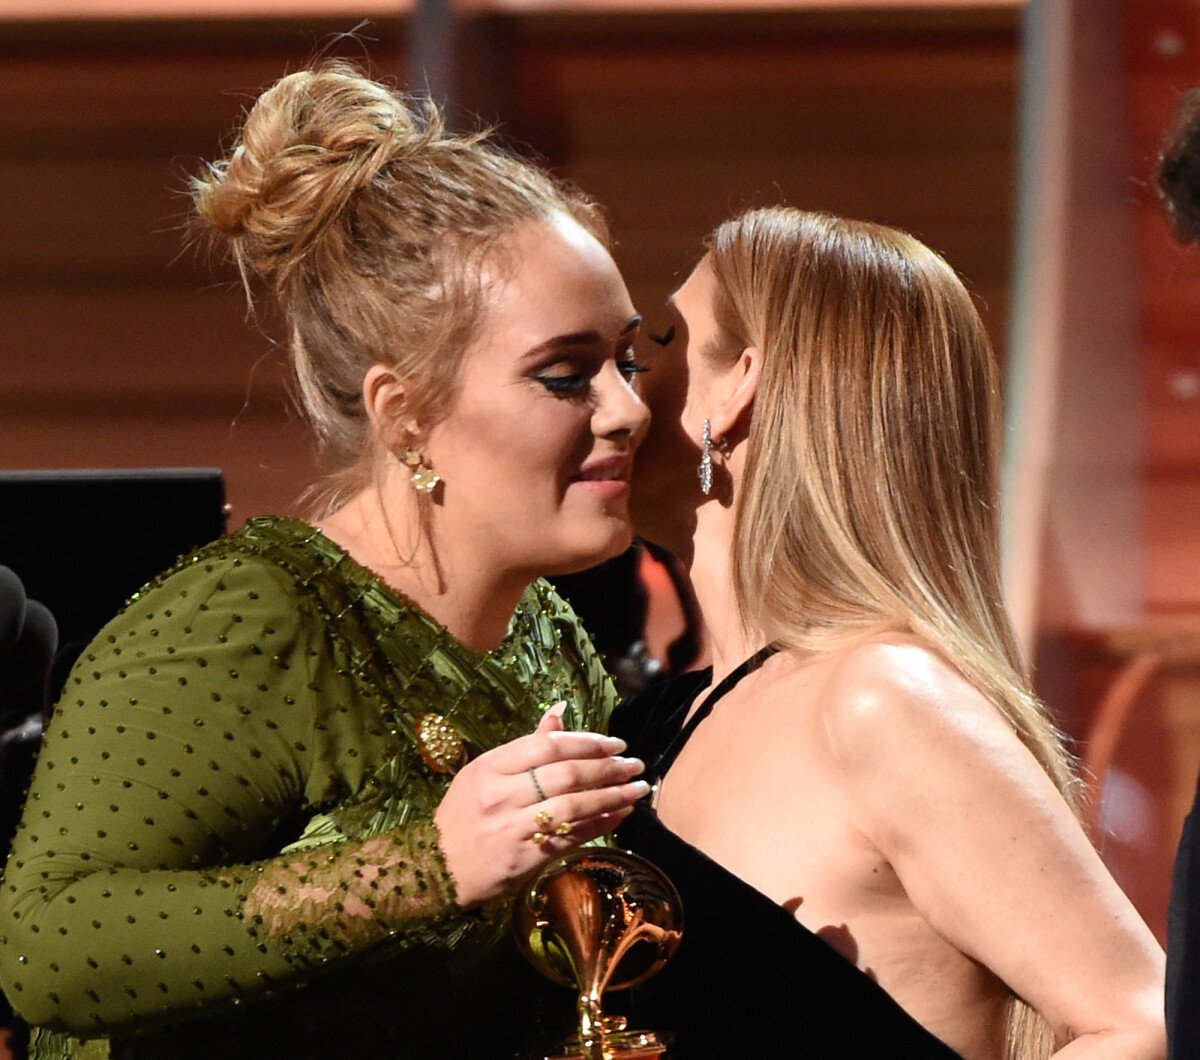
(228, 848)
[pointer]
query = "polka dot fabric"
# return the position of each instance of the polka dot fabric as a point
(228, 844)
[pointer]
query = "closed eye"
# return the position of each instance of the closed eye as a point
(572, 385)
(631, 369)
(665, 338)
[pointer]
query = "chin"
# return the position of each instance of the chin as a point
(606, 543)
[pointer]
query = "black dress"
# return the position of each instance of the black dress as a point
(748, 980)
(1183, 945)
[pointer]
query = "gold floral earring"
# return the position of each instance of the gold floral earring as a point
(423, 478)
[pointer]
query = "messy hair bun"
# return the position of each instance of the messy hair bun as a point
(1179, 170)
(369, 221)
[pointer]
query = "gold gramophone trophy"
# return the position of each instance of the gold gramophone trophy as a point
(600, 919)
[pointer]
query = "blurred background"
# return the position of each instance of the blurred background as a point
(1017, 139)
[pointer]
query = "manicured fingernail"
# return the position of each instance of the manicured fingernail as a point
(637, 787)
(559, 709)
(614, 744)
(634, 765)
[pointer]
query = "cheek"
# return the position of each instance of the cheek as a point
(506, 453)
(696, 402)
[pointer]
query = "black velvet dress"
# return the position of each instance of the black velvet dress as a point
(1183, 945)
(748, 980)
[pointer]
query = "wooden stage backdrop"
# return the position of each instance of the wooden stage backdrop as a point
(119, 347)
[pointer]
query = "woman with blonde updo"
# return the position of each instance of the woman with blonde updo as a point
(868, 813)
(289, 789)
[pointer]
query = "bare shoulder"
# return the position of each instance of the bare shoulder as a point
(893, 694)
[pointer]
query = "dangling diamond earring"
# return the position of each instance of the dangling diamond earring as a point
(705, 470)
(423, 478)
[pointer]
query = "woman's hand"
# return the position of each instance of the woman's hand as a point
(515, 808)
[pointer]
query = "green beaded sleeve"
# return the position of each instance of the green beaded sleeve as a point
(201, 731)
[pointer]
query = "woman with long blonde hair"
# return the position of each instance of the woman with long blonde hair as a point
(870, 815)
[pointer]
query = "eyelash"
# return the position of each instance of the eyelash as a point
(631, 369)
(577, 382)
(665, 338)
(565, 385)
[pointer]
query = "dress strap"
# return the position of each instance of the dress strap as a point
(667, 758)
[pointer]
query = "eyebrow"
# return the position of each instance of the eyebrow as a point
(579, 338)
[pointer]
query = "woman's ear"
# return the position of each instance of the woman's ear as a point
(386, 399)
(733, 411)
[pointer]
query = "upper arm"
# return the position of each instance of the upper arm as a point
(180, 744)
(985, 846)
(178, 739)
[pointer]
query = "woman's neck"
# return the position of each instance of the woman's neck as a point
(711, 572)
(381, 529)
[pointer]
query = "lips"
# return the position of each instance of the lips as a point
(611, 469)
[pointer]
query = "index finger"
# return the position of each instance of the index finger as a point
(541, 748)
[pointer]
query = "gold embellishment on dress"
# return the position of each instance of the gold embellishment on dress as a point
(441, 746)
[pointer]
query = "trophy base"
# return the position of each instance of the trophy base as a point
(620, 1045)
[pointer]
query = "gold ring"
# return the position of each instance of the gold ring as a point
(537, 788)
(564, 829)
(542, 819)
(538, 838)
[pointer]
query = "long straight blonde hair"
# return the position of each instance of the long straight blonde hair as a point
(871, 484)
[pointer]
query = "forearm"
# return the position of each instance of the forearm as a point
(117, 949)
(1147, 1041)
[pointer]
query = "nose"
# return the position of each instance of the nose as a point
(618, 410)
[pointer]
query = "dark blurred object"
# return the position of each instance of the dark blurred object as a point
(26, 662)
(1178, 174)
(28, 642)
(85, 541)
(612, 599)
(1183, 944)
(683, 653)
(12, 609)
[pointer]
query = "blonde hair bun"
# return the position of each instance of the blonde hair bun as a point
(308, 144)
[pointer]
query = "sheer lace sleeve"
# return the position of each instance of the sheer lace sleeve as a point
(351, 895)
(148, 879)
